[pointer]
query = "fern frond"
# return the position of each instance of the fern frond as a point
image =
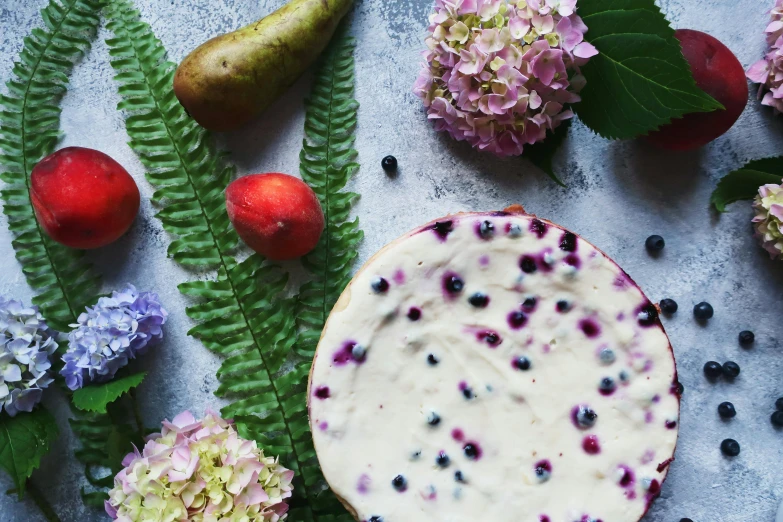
(29, 130)
(326, 164)
(240, 313)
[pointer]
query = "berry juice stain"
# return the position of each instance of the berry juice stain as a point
(591, 445)
(590, 328)
(350, 352)
(538, 227)
(322, 392)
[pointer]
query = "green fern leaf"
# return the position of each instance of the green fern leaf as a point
(239, 313)
(29, 130)
(327, 162)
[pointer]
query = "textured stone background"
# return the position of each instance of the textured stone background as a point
(618, 193)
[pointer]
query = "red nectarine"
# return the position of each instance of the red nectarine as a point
(277, 215)
(82, 198)
(718, 73)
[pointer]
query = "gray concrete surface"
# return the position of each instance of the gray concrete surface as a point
(618, 193)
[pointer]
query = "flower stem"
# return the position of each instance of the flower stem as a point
(41, 502)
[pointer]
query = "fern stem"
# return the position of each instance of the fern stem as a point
(116, 13)
(46, 509)
(136, 412)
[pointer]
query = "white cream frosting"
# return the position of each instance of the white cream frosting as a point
(375, 394)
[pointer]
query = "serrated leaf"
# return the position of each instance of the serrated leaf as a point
(29, 131)
(542, 153)
(744, 183)
(240, 312)
(96, 397)
(640, 79)
(24, 440)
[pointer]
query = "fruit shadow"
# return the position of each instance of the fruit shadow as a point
(271, 142)
(507, 179)
(662, 180)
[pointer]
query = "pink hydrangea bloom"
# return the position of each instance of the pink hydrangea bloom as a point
(500, 74)
(201, 471)
(768, 221)
(769, 70)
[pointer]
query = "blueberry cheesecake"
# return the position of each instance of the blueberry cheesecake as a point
(494, 366)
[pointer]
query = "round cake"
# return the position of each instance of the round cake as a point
(494, 367)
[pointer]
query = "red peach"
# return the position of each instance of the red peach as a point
(277, 215)
(718, 73)
(82, 198)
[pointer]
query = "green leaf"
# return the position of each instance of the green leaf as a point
(744, 183)
(96, 397)
(640, 79)
(542, 153)
(105, 439)
(29, 131)
(24, 440)
(240, 312)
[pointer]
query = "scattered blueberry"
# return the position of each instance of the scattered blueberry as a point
(358, 352)
(414, 314)
(746, 337)
(730, 447)
(432, 360)
(517, 319)
(607, 356)
(607, 386)
(624, 377)
(379, 285)
(777, 419)
(686, 520)
(563, 306)
(726, 410)
(779, 404)
(442, 460)
(668, 306)
(491, 338)
(454, 284)
(376, 518)
(568, 242)
(443, 229)
(528, 264)
(584, 417)
(522, 363)
(471, 451)
(486, 229)
(647, 315)
(479, 300)
(713, 370)
(543, 470)
(731, 369)
(468, 393)
(399, 483)
(389, 163)
(655, 243)
(433, 419)
(703, 311)
(459, 477)
(529, 304)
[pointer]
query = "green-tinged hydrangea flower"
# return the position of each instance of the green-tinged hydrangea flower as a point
(769, 216)
(200, 471)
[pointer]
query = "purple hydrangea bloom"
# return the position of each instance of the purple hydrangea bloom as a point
(25, 346)
(108, 335)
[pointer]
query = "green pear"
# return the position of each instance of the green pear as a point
(228, 80)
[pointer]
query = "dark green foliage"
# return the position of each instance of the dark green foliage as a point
(744, 183)
(24, 440)
(640, 79)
